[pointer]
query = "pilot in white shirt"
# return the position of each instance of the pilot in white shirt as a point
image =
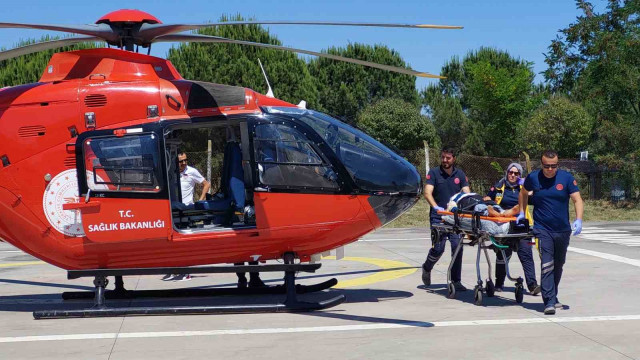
(189, 177)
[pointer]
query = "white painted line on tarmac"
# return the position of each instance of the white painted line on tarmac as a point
(606, 256)
(596, 230)
(379, 326)
(601, 255)
(609, 236)
(400, 239)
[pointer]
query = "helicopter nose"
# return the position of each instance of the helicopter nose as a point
(390, 205)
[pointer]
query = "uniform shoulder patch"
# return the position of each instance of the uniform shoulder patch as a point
(559, 187)
(457, 181)
(493, 189)
(575, 182)
(428, 176)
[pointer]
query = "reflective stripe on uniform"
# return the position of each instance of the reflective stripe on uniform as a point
(547, 267)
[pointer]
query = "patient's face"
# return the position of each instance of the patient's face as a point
(447, 160)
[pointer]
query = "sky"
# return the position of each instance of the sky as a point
(522, 28)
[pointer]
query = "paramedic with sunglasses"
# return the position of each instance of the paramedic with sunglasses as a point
(552, 189)
(506, 193)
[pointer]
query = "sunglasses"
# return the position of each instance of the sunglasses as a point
(550, 166)
(182, 161)
(513, 173)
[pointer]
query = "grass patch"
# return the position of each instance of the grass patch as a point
(602, 210)
(594, 210)
(417, 216)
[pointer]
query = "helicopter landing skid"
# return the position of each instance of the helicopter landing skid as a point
(120, 293)
(99, 309)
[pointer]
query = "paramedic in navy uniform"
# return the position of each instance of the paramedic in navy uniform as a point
(506, 193)
(552, 189)
(442, 183)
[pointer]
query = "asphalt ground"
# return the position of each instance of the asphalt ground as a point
(388, 314)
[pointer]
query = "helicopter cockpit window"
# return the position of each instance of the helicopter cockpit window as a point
(128, 163)
(286, 158)
(371, 165)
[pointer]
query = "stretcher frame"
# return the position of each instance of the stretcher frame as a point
(484, 240)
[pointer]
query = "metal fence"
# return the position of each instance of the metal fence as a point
(595, 182)
(213, 172)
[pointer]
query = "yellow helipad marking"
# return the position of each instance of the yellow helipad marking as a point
(377, 277)
(24, 263)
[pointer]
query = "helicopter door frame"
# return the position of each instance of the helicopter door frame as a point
(122, 167)
(184, 219)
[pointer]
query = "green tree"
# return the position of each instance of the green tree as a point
(599, 52)
(495, 93)
(233, 64)
(397, 123)
(453, 126)
(345, 89)
(596, 61)
(28, 68)
(559, 124)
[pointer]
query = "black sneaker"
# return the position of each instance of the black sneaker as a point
(182, 277)
(550, 310)
(256, 282)
(458, 286)
(167, 277)
(426, 277)
(498, 289)
(535, 290)
(558, 305)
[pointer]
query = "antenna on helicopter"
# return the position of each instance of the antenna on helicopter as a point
(269, 92)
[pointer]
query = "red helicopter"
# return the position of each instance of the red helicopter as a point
(90, 179)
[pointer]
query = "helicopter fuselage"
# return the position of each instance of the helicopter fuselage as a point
(88, 176)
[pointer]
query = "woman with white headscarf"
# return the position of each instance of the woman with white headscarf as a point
(506, 192)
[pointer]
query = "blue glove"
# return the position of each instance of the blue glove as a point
(520, 181)
(520, 217)
(438, 208)
(577, 227)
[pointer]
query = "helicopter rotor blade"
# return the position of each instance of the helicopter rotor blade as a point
(151, 31)
(98, 30)
(46, 45)
(216, 39)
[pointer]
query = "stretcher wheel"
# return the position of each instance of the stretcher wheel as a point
(452, 291)
(435, 236)
(519, 294)
(491, 289)
(477, 295)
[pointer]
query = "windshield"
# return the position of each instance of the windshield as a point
(371, 165)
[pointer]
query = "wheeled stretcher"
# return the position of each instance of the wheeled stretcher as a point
(488, 233)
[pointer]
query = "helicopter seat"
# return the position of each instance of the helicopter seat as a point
(231, 197)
